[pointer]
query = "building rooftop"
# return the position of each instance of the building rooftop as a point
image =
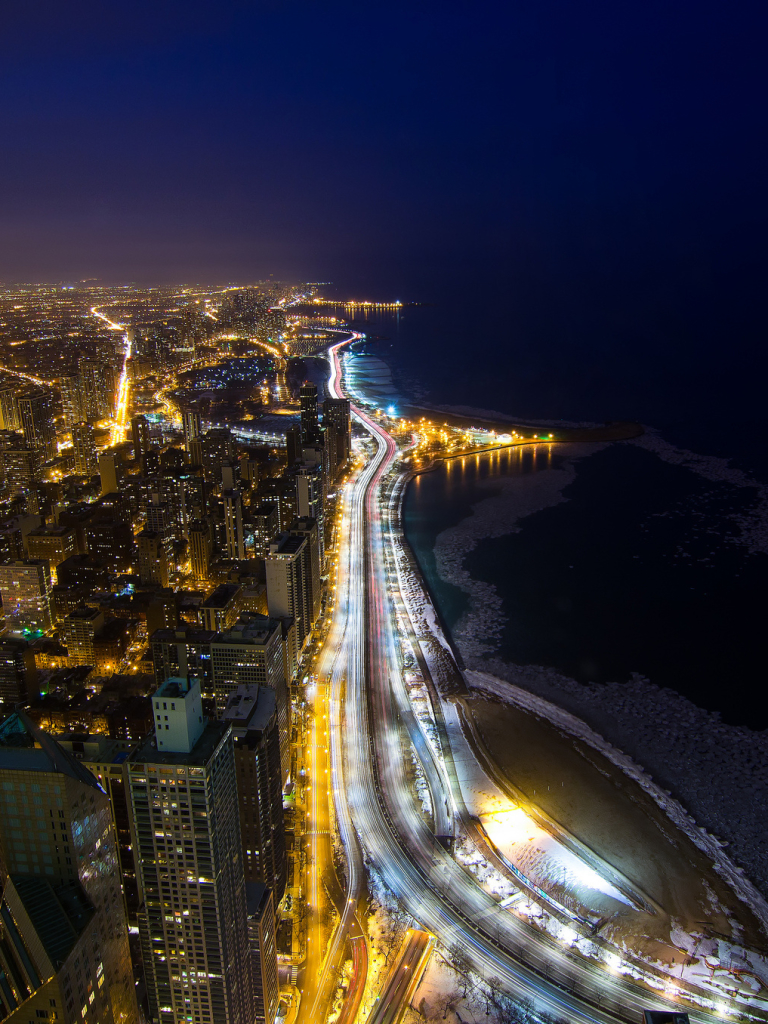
(26, 748)
(201, 753)
(222, 595)
(59, 913)
(250, 708)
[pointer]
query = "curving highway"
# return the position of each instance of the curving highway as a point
(374, 737)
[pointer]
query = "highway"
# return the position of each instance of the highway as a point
(403, 979)
(373, 736)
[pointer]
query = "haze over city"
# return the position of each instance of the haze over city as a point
(383, 506)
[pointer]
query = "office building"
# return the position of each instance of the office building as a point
(36, 417)
(64, 953)
(262, 939)
(192, 424)
(25, 590)
(18, 673)
(193, 915)
(310, 430)
(252, 712)
(153, 561)
(142, 440)
(104, 756)
(200, 548)
(84, 443)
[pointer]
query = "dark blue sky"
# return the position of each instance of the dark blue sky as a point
(597, 168)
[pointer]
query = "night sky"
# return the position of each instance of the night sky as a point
(591, 174)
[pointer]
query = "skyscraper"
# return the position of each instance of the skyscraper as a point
(141, 437)
(294, 444)
(310, 503)
(200, 548)
(25, 590)
(73, 403)
(252, 713)
(36, 416)
(286, 585)
(233, 523)
(262, 937)
(153, 561)
(310, 431)
(338, 434)
(192, 423)
(84, 443)
(9, 410)
(64, 951)
(308, 528)
(186, 832)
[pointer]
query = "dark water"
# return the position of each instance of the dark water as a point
(638, 571)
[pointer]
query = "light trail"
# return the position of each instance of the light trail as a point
(373, 747)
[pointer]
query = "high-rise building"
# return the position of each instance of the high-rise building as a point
(142, 440)
(310, 502)
(193, 425)
(294, 444)
(233, 523)
(265, 525)
(251, 653)
(338, 433)
(64, 951)
(280, 491)
(78, 633)
(308, 528)
(36, 416)
(221, 609)
(153, 562)
(200, 548)
(20, 464)
(103, 756)
(25, 590)
(73, 404)
(186, 835)
(18, 674)
(211, 450)
(52, 544)
(262, 938)
(99, 387)
(84, 443)
(110, 540)
(9, 410)
(252, 712)
(310, 430)
(286, 585)
(111, 471)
